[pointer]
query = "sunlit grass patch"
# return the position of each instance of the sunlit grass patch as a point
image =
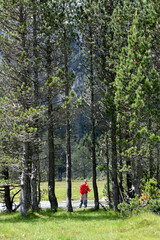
(80, 224)
(60, 189)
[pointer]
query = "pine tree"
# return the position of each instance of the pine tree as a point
(48, 30)
(86, 26)
(135, 88)
(17, 69)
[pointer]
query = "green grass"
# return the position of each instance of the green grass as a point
(60, 188)
(79, 225)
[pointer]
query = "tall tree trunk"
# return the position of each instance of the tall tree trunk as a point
(68, 129)
(68, 167)
(158, 164)
(34, 200)
(129, 177)
(120, 163)
(25, 180)
(114, 162)
(92, 86)
(103, 75)
(151, 161)
(39, 182)
(35, 159)
(7, 197)
(108, 172)
(51, 181)
(139, 171)
(36, 94)
(25, 177)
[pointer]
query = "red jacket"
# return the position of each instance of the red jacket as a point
(84, 188)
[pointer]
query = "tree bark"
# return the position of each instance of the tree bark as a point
(129, 178)
(108, 171)
(25, 181)
(7, 197)
(151, 161)
(68, 129)
(34, 200)
(35, 159)
(114, 162)
(158, 164)
(25, 177)
(139, 172)
(51, 181)
(92, 86)
(120, 162)
(129, 175)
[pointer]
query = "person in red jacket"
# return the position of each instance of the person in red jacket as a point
(84, 189)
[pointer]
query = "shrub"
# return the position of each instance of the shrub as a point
(133, 207)
(135, 204)
(154, 206)
(151, 191)
(124, 209)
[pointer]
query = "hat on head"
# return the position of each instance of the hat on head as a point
(85, 180)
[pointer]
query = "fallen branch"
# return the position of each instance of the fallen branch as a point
(15, 195)
(103, 206)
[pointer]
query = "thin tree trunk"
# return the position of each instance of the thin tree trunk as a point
(151, 161)
(96, 198)
(114, 162)
(25, 177)
(25, 183)
(120, 162)
(7, 197)
(51, 181)
(35, 159)
(68, 168)
(139, 171)
(108, 172)
(38, 182)
(68, 130)
(34, 200)
(129, 177)
(158, 164)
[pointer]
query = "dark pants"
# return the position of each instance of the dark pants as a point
(83, 200)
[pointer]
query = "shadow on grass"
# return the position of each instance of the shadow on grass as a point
(60, 215)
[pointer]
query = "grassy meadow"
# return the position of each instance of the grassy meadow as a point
(79, 225)
(82, 224)
(60, 189)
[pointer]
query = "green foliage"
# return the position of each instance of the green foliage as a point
(151, 190)
(134, 207)
(82, 157)
(154, 206)
(149, 200)
(124, 209)
(135, 204)
(52, 81)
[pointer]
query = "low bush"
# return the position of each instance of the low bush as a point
(149, 200)
(154, 206)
